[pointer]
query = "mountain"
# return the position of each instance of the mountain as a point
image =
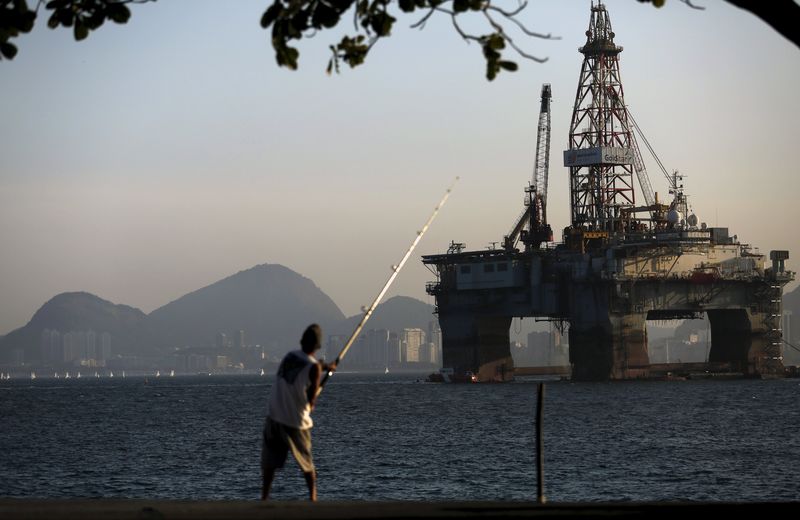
(80, 312)
(395, 314)
(270, 302)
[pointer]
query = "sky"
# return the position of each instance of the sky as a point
(160, 156)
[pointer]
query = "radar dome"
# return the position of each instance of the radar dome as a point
(692, 220)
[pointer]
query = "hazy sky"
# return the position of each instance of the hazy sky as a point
(160, 156)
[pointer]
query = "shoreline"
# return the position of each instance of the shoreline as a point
(241, 509)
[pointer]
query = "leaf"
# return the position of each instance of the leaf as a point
(508, 65)
(26, 21)
(460, 6)
(287, 57)
(271, 14)
(119, 13)
(81, 31)
(381, 23)
(407, 6)
(496, 42)
(324, 16)
(53, 21)
(65, 16)
(8, 50)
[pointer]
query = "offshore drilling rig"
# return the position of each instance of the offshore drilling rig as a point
(620, 263)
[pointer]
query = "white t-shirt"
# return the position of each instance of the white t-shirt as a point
(288, 403)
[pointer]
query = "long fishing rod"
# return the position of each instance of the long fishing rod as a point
(395, 270)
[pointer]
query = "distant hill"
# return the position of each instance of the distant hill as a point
(270, 302)
(395, 314)
(80, 311)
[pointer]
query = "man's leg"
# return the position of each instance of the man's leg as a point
(311, 482)
(268, 476)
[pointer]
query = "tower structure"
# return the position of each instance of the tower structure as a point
(600, 157)
(615, 270)
(540, 230)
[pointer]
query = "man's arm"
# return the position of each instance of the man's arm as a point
(313, 388)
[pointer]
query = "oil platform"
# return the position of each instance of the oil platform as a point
(621, 262)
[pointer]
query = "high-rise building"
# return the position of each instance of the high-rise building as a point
(44, 346)
(435, 338)
(67, 347)
(394, 349)
(333, 347)
(105, 347)
(786, 326)
(222, 340)
(239, 339)
(91, 344)
(414, 340)
(377, 348)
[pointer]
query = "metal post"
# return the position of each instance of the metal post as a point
(540, 498)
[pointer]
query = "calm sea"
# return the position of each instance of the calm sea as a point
(393, 437)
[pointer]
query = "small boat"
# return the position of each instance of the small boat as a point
(448, 375)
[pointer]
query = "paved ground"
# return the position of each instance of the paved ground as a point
(11, 509)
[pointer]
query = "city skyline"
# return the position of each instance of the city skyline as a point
(166, 158)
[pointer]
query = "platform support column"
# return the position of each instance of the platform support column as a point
(611, 348)
(478, 344)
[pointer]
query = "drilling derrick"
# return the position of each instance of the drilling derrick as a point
(617, 268)
(600, 157)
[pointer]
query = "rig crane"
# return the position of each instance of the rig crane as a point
(535, 212)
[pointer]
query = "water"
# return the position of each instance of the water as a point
(395, 438)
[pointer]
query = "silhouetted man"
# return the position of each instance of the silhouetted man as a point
(288, 424)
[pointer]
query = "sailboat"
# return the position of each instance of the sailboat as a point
(123, 374)
(78, 376)
(110, 373)
(66, 376)
(96, 374)
(262, 372)
(33, 375)
(386, 370)
(158, 373)
(171, 373)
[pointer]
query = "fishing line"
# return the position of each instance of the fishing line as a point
(395, 271)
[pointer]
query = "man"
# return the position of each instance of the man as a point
(288, 424)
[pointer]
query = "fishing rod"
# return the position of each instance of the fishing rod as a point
(395, 270)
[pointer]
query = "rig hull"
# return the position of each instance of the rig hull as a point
(605, 296)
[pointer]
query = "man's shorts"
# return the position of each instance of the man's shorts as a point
(279, 439)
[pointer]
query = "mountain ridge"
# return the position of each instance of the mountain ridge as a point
(271, 303)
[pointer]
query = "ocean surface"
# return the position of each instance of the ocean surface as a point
(394, 437)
